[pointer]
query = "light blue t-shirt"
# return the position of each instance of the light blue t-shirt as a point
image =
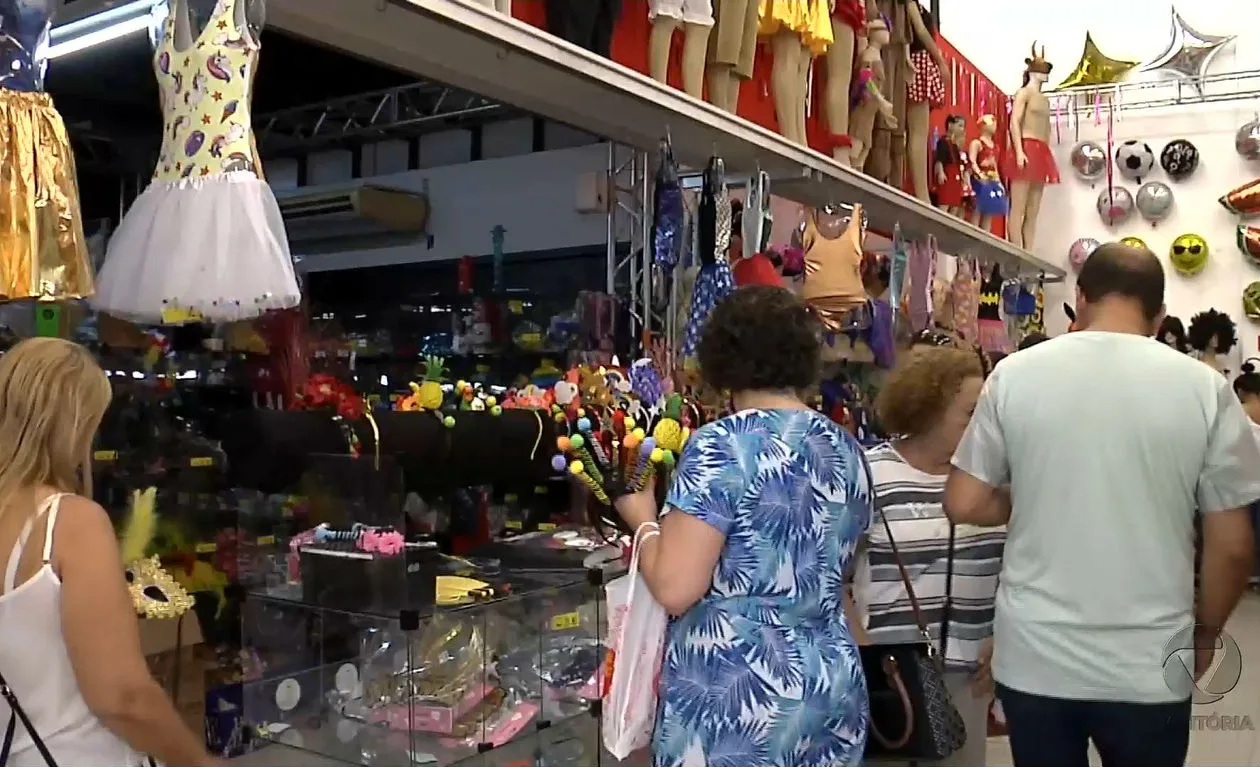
(1110, 443)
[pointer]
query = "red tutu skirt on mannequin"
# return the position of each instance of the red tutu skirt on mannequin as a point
(1040, 168)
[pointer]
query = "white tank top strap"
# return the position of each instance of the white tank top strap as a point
(49, 506)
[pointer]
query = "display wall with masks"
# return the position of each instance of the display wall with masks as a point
(1180, 182)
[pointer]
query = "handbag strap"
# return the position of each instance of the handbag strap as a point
(10, 697)
(905, 574)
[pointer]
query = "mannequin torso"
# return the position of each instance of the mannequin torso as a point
(205, 66)
(24, 26)
(1031, 112)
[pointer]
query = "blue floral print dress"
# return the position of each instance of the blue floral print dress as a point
(763, 671)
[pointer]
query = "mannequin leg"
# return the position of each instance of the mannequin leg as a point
(1032, 208)
(503, 6)
(917, 117)
(659, 42)
(723, 87)
(1019, 194)
(784, 80)
(861, 127)
(802, 98)
(695, 47)
(839, 83)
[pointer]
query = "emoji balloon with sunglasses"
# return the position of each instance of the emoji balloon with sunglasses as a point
(1188, 254)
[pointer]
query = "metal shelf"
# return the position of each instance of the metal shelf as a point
(1158, 92)
(478, 50)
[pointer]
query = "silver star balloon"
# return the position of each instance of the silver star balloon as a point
(1189, 53)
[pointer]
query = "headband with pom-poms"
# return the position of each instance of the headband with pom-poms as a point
(1173, 333)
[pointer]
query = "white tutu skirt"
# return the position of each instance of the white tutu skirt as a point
(199, 249)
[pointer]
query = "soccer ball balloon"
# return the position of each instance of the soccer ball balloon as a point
(1135, 160)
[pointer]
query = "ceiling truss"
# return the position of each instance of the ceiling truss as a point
(402, 112)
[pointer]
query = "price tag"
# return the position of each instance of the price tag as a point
(566, 621)
(530, 339)
(205, 548)
(540, 490)
(178, 316)
(546, 527)
(266, 540)
(105, 455)
(516, 307)
(483, 368)
(512, 524)
(201, 463)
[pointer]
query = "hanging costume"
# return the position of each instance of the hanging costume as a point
(992, 331)
(43, 253)
(833, 271)
(714, 282)
(205, 241)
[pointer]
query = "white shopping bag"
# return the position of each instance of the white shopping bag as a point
(636, 633)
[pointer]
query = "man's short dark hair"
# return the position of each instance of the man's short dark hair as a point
(1116, 269)
(1031, 340)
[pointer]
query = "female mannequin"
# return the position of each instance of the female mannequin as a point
(205, 241)
(925, 90)
(848, 25)
(733, 51)
(986, 179)
(696, 18)
(797, 30)
(43, 252)
(1031, 165)
(871, 82)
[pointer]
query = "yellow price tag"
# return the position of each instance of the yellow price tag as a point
(516, 307)
(205, 548)
(540, 490)
(201, 463)
(177, 316)
(566, 621)
(546, 527)
(105, 455)
(483, 368)
(512, 524)
(266, 540)
(531, 339)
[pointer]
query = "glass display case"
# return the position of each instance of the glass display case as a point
(500, 666)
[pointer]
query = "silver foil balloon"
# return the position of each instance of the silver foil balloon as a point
(1089, 160)
(1154, 201)
(1247, 140)
(1081, 250)
(1115, 205)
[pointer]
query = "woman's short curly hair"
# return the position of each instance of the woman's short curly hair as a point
(918, 391)
(761, 337)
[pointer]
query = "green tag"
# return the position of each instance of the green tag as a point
(48, 320)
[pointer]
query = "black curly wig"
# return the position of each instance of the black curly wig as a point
(761, 338)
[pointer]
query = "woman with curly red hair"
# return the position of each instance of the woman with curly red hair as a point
(927, 402)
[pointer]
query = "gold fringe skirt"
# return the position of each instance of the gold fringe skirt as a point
(808, 19)
(43, 253)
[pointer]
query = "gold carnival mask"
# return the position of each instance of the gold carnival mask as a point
(154, 593)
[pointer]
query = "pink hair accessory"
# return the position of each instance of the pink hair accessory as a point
(387, 543)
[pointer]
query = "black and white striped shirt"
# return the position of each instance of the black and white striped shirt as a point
(911, 501)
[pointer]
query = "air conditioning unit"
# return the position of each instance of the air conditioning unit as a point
(355, 218)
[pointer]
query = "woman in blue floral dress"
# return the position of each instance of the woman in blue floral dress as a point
(761, 519)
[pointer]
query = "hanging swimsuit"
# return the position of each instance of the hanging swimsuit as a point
(714, 281)
(992, 333)
(966, 300)
(833, 271)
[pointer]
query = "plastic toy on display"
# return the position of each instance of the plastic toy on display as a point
(205, 241)
(1031, 165)
(43, 251)
(1188, 254)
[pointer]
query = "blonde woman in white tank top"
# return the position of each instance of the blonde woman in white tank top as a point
(69, 640)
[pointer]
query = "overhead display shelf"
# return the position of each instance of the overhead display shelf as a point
(478, 50)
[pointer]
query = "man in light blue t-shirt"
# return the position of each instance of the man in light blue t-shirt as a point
(1097, 449)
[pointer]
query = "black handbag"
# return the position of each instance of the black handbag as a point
(18, 714)
(911, 713)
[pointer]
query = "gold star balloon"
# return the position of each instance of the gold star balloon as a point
(1189, 53)
(1096, 68)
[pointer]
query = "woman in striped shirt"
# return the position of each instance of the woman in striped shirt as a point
(928, 400)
